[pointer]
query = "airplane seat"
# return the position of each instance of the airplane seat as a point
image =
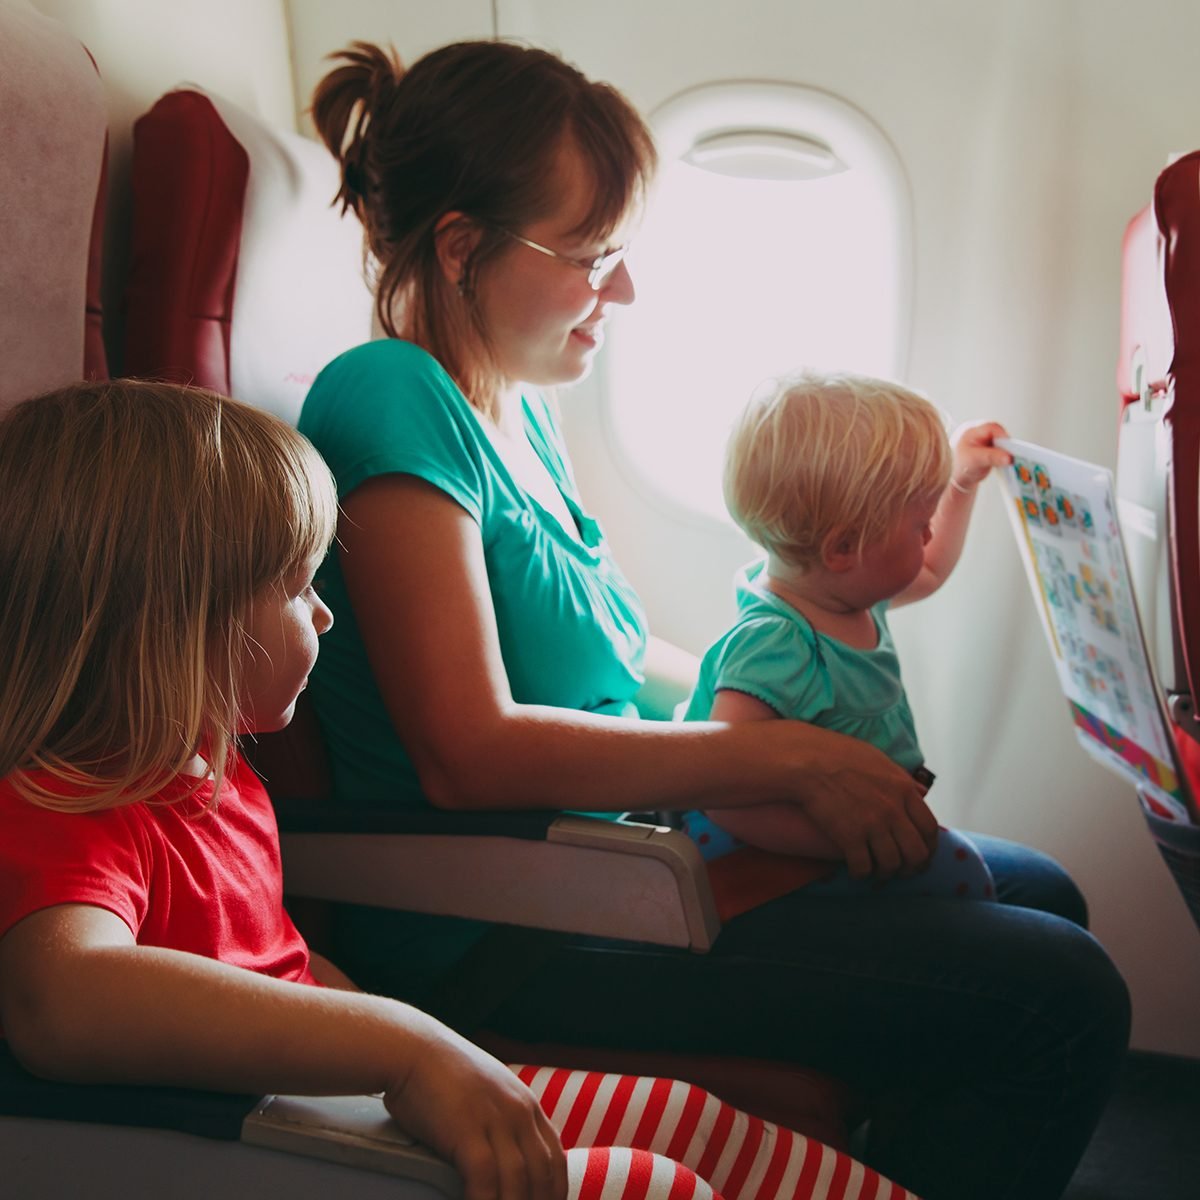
(245, 279)
(110, 1142)
(1158, 472)
(52, 196)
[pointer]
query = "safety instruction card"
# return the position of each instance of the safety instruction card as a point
(1064, 515)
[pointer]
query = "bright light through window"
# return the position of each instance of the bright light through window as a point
(738, 279)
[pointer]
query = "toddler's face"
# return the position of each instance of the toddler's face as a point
(888, 566)
(285, 621)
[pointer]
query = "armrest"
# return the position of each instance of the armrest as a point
(217, 1115)
(354, 1131)
(545, 871)
(73, 1139)
(541, 870)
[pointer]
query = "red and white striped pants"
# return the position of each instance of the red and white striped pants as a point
(630, 1138)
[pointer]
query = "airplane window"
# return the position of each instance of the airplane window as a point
(778, 236)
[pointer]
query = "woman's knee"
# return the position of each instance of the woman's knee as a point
(1028, 878)
(1077, 1002)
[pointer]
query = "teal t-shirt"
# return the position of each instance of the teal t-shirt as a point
(572, 630)
(773, 654)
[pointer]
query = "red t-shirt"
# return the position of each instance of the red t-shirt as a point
(181, 876)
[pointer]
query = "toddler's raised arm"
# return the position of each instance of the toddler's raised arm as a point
(974, 456)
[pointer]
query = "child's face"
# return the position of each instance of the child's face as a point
(285, 621)
(886, 567)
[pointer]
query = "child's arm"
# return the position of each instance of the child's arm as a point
(781, 828)
(974, 457)
(328, 974)
(81, 1001)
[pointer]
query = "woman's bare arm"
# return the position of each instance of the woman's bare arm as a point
(780, 828)
(81, 1001)
(414, 566)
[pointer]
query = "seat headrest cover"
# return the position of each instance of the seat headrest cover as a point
(188, 184)
(1146, 342)
(286, 281)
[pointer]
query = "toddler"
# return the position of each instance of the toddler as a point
(851, 487)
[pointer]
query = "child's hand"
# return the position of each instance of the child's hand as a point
(465, 1105)
(975, 455)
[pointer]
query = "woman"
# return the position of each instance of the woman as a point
(487, 651)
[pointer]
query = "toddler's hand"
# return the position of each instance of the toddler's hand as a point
(468, 1107)
(975, 455)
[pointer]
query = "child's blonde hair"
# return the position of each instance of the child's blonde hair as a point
(138, 521)
(815, 456)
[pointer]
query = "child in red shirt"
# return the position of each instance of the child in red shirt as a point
(157, 547)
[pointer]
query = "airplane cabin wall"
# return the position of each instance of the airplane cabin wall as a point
(1030, 134)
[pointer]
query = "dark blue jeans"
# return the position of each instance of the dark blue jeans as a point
(985, 1037)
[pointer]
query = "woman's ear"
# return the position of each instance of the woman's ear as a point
(455, 237)
(840, 551)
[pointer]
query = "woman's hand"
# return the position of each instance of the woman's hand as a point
(871, 809)
(469, 1108)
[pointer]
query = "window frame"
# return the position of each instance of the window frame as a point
(793, 108)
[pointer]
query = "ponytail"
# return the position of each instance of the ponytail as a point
(475, 128)
(346, 104)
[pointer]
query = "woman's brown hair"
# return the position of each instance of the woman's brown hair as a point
(138, 521)
(475, 128)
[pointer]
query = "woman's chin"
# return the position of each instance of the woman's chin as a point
(579, 369)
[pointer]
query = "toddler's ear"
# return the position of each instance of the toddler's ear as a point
(839, 552)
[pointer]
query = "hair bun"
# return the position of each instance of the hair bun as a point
(344, 108)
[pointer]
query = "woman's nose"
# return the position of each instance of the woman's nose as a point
(618, 287)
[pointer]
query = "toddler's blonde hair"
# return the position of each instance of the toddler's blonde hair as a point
(138, 521)
(816, 456)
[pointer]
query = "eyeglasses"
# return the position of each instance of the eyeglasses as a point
(599, 269)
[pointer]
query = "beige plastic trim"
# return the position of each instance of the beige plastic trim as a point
(352, 1131)
(641, 882)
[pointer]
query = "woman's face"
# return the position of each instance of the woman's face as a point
(544, 320)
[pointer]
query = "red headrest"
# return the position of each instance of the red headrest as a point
(189, 184)
(1160, 286)
(244, 278)
(1177, 212)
